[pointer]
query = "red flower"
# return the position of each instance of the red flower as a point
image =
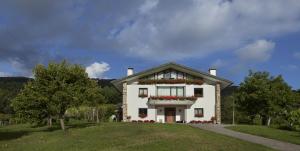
(191, 98)
(172, 81)
(142, 115)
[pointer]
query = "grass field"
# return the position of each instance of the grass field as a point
(283, 135)
(119, 136)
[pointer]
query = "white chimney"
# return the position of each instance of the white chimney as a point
(213, 71)
(129, 71)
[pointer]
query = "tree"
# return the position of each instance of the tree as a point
(54, 89)
(111, 95)
(31, 105)
(93, 98)
(265, 96)
(294, 119)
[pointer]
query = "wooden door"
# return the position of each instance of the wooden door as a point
(170, 114)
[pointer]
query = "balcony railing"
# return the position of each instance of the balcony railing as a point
(171, 100)
(171, 81)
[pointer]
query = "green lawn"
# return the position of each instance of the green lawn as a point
(119, 136)
(283, 135)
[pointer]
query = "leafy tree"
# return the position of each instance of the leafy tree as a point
(31, 105)
(93, 98)
(54, 89)
(111, 95)
(265, 96)
(294, 119)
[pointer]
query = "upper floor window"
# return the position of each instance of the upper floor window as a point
(180, 75)
(143, 92)
(198, 92)
(198, 112)
(170, 91)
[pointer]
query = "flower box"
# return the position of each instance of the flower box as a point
(191, 98)
(171, 81)
(142, 115)
(152, 121)
(143, 96)
(198, 115)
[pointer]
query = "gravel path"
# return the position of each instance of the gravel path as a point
(275, 144)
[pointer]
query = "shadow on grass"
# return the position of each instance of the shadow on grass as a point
(9, 135)
(12, 133)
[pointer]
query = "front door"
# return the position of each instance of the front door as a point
(170, 114)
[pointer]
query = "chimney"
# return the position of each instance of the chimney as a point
(213, 71)
(129, 71)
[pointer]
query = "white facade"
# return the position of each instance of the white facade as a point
(172, 93)
(183, 112)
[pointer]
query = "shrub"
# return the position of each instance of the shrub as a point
(152, 121)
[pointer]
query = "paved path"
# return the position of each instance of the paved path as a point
(275, 144)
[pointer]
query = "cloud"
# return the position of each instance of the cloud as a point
(4, 74)
(297, 55)
(219, 63)
(259, 51)
(199, 28)
(148, 5)
(32, 31)
(97, 70)
(290, 67)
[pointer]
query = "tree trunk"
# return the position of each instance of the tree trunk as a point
(269, 121)
(62, 123)
(50, 122)
(93, 115)
(97, 115)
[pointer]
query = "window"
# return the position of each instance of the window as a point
(142, 112)
(173, 75)
(143, 92)
(167, 75)
(170, 91)
(198, 92)
(179, 75)
(198, 112)
(180, 91)
(160, 75)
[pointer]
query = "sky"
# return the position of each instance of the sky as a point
(108, 36)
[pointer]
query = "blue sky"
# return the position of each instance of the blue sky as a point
(106, 37)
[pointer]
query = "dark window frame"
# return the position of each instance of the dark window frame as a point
(143, 112)
(200, 94)
(144, 92)
(197, 112)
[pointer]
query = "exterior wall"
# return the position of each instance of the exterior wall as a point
(207, 102)
(134, 102)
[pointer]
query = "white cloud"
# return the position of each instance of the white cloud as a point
(4, 74)
(200, 27)
(97, 70)
(148, 5)
(289, 67)
(259, 51)
(292, 67)
(218, 63)
(297, 55)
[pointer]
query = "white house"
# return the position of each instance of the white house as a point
(171, 93)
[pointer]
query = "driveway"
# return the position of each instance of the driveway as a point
(275, 144)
